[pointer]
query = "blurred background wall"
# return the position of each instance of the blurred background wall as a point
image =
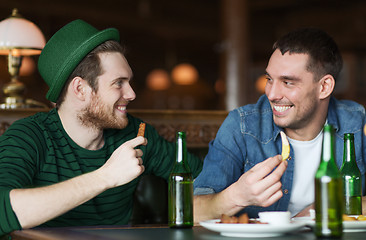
(227, 42)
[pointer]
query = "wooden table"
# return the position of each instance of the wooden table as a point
(147, 232)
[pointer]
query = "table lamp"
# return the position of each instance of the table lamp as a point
(18, 37)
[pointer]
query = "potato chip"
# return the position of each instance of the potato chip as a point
(285, 146)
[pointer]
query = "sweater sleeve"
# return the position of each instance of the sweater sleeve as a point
(8, 220)
(17, 168)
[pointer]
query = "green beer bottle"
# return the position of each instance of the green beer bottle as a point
(351, 178)
(180, 198)
(328, 191)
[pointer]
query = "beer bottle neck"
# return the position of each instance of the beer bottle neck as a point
(180, 150)
(181, 165)
(327, 166)
(327, 148)
(349, 150)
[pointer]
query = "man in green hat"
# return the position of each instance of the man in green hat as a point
(80, 163)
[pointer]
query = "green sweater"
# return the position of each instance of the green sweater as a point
(36, 151)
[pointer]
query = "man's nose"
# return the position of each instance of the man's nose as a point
(273, 90)
(128, 93)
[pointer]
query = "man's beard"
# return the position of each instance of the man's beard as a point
(100, 116)
(303, 118)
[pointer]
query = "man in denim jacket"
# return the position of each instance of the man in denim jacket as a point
(243, 171)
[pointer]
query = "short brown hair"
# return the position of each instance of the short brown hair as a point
(324, 55)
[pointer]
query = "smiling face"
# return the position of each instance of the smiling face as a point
(107, 107)
(292, 91)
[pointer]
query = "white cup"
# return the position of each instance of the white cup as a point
(275, 218)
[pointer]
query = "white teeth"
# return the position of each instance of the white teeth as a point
(122, 108)
(281, 108)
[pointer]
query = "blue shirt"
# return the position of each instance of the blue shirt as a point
(249, 136)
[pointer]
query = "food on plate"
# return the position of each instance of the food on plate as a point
(348, 218)
(285, 147)
(141, 131)
(241, 219)
(228, 219)
(354, 218)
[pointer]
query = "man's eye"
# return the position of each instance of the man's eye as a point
(288, 83)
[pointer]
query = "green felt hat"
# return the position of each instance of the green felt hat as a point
(65, 50)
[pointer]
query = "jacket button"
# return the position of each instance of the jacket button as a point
(285, 191)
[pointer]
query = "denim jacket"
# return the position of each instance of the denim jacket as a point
(248, 136)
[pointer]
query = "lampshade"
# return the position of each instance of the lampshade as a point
(20, 36)
(184, 74)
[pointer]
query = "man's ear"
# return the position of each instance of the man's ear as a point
(79, 87)
(326, 84)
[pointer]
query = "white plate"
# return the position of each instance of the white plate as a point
(348, 226)
(251, 230)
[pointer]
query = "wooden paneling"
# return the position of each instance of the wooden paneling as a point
(200, 126)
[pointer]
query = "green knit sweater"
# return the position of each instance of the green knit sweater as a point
(36, 151)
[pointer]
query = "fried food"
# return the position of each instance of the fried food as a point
(285, 147)
(243, 219)
(227, 219)
(141, 131)
(348, 218)
(361, 218)
(353, 218)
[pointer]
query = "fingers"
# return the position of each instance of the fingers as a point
(139, 152)
(276, 175)
(271, 195)
(271, 186)
(271, 183)
(272, 199)
(137, 141)
(264, 168)
(127, 159)
(141, 167)
(263, 182)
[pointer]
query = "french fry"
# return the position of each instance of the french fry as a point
(285, 146)
(141, 131)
